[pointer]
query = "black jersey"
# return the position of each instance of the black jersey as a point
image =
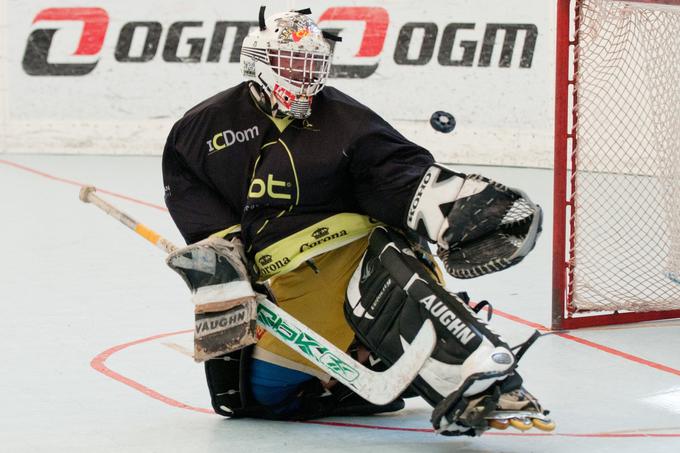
(293, 188)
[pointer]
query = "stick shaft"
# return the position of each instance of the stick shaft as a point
(378, 388)
(88, 196)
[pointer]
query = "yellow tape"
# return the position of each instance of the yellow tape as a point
(147, 234)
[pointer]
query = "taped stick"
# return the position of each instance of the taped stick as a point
(87, 195)
(225, 328)
(378, 388)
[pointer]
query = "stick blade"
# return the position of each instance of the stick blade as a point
(377, 388)
(383, 388)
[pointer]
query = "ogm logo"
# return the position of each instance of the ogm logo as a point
(95, 23)
(461, 45)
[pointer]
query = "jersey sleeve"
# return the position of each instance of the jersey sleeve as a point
(197, 209)
(386, 169)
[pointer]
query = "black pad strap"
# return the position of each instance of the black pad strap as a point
(520, 349)
(226, 376)
(261, 18)
(331, 36)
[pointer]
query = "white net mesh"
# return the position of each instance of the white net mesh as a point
(626, 253)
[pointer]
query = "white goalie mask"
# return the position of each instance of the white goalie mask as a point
(289, 58)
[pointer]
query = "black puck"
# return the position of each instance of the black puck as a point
(442, 121)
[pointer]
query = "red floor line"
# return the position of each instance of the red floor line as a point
(509, 316)
(98, 363)
(519, 320)
(80, 184)
(621, 354)
(134, 200)
(40, 173)
(591, 344)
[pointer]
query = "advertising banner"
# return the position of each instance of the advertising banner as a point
(111, 77)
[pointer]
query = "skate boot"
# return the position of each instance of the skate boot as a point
(521, 410)
(392, 294)
(504, 404)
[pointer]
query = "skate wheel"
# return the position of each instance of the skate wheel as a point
(543, 425)
(521, 424)
(499, 424)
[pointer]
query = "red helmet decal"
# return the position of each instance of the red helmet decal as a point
(299, 34)
(284, 96)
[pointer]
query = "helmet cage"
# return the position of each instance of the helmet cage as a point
(290, 59)
(305, 73)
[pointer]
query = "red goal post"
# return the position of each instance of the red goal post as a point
(616, 244)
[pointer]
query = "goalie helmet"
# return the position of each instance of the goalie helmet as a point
(289, 58)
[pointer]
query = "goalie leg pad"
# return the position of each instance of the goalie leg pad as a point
(225, 376)
(389, 297)
(229, 379)
(229, 383)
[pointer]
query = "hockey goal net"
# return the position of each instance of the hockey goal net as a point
(617, 162)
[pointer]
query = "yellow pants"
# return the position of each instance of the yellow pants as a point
(316, 299)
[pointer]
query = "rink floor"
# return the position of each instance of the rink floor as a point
(96, 332)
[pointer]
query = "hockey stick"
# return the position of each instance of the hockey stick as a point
(378, 388)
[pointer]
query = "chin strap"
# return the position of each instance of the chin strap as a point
(260, 97)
